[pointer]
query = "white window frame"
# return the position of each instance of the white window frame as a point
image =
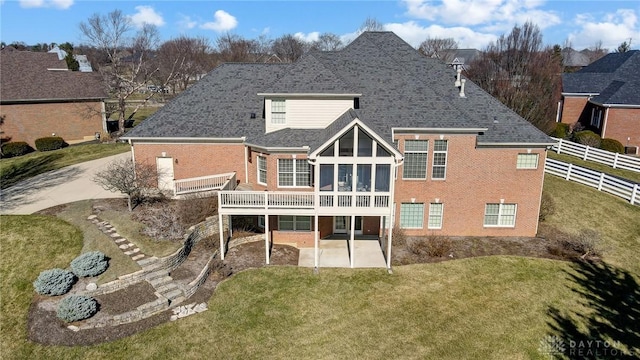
(404, 213)
(296, 222)
(426, 156)
(596, 117)
(523, 161)
(446, 159)
(295, 174)
(279, 108)
(439, 216)
(501, 215)
(260, 171)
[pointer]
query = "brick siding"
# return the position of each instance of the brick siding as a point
(572, 108)
(623, 124)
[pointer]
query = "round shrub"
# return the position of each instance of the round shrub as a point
(17, 148)
(91, 263)
(50, 143)
(588, 137)
(561, 131)
(77, 307)
(54, 282)
(612, 145)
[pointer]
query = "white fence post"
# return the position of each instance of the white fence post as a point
(634, 194)
(568, 177)
(615, 160)
(586, 153)
(601, 181)
(559, 146)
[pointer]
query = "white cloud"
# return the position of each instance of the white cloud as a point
(146, 15)
(612, 29)
(310, 37)
(186, 22)
(58, 4)
(414, 34)
(494, 15)
(223, 21)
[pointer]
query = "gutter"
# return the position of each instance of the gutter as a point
(514, 144)
(279, 149)
(184, 139)
(289, 95)
(438, 130)
(580, 94)
(622, 106)
(32, 101)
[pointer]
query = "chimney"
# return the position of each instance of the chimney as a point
(462, 95)
(457, 83)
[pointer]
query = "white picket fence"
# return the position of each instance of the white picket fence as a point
(588, 153)
(603, 182)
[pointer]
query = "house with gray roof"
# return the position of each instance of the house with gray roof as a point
(40, 97)
(350, 145)
(605, 97)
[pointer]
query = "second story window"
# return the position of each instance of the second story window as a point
(415, 159)
(439, 170)
(527, 161)
(262, 170)
(278, 111)
(294, 172)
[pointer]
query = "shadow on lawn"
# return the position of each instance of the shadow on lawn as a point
(611, 326)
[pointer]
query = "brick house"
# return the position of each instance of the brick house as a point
(39, 97)
(354, 142)
(605, 97)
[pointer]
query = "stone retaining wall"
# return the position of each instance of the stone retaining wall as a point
(193, 286)
(249, 239)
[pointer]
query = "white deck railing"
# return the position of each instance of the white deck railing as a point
(603, 182)
(225, 181)
(588, 153)
(299, 200)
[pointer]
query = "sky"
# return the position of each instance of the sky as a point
(472, 23)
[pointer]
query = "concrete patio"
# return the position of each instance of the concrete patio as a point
(335, 253)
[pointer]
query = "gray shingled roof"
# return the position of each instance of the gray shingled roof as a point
(615, 77)
(37, 76)
(400, 89)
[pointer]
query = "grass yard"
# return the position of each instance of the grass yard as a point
(14, 170)
(498, 307)
(627, 174)
(141, 114)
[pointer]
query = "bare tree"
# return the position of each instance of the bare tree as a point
(327, 42)
(234, 48)
(123, 176)
(596, 51)
(185, 57)
(289, 48)
(371, 24)
(127, 52)
(438, 47)
(522, 74)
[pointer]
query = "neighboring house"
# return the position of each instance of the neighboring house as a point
(84, 65)
(605, 97)
(40, 97)
(460, 58)
(355, 141)
(574, 60)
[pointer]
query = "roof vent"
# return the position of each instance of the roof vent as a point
(457, 83)
(252, 115)
(462, 95)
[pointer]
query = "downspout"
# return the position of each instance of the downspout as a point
(246, 164)
(604, 124)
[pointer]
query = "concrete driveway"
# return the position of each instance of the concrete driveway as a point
(69, 184)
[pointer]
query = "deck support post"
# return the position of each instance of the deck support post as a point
(266, 238)
(352, 235)
(221, 231)
(390, 239)
(315, 242)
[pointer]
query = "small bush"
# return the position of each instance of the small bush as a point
(399, 237)
(586, 244)
(50, 143)
(197, 209)
(612, 145)
(17, 148)
(77, 307)
(438, 246)
(54, 282)
(588, 137)
(561, 131)
(92, 263)
(547, 206)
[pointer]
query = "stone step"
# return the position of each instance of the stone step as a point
(137, 257)
(177, 300)
(163, 289)
(159, 281)
(147, 262)
(173, 294)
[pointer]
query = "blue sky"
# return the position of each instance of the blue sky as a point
(473, 23)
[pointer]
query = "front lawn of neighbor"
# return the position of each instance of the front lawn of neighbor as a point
(20, 168)
(497, 307)
(625, 174)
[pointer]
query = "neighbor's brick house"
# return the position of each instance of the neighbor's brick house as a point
(355, 141)
(40, 97)
(605, 97)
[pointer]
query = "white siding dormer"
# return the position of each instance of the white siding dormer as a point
(300, 112)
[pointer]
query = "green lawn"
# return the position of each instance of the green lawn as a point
(141, 114)
(16, 169)
(627, 174)
(497, 307)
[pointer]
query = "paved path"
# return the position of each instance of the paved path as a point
(69, 184)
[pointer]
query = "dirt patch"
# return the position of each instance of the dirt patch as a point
(252, 255)
(127, 299)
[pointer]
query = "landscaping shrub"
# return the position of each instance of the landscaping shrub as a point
(588, 137)
(17, 148)
(196, 209)
(585, 245)
(54, 282)
(92, 263)
(50, 143)
(77, 307)
(547, 206)
(399, 237)
(612, 145)
(438, 246)
(561, 131)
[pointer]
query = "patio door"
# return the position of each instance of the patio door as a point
(342, 225)
(165, 173)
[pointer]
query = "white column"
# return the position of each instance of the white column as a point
(230, 230)
(383, 241)
(352, 240)
(221, 231)
(266, 238)
(315, 242)
(390, 237)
